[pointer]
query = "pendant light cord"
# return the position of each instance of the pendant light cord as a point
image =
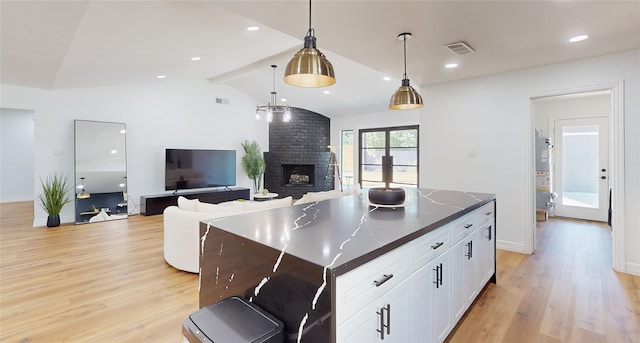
(310, 29)
(273, 66)
(404, 39)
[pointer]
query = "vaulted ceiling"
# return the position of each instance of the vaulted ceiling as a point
(77, 44)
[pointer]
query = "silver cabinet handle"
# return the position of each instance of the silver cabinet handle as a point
(383, 279)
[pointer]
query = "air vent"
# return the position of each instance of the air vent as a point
(460, 48)
(222, 101)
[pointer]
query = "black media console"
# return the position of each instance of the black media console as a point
(155, 204)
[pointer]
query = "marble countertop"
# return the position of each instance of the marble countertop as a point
(344, 233)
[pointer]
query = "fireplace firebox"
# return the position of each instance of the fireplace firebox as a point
(298, 174)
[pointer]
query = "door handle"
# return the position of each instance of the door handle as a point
(603, 177)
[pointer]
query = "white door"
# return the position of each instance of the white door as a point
(581, 173)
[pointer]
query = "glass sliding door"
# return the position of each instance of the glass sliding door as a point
(399, 142)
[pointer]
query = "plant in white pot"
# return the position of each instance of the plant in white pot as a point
(253, 163)
(54, 197)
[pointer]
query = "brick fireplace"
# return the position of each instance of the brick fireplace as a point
(298, 154)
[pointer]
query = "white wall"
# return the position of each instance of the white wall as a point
(488, 115)
(16, 155)
(548, 109)
(171, 114)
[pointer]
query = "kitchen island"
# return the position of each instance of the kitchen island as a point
(332, 271)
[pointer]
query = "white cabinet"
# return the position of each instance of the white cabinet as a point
(442, 311)
(486, 252)
(373, 301)
(432, 288)
(465, 264)
(387, 319)
(419, 291)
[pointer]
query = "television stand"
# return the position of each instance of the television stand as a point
(155, 204)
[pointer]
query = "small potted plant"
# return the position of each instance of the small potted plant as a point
(54, 197)
(253, 163)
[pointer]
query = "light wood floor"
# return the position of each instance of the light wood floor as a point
(108, 282)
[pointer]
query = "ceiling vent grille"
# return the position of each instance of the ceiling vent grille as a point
(460, 48)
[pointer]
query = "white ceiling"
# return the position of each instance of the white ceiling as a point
(76, 44)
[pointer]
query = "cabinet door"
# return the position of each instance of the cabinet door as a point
(460, 271)
(442, 307)
(432, 288)
(464, 289)
(388, 319)
(487, 254)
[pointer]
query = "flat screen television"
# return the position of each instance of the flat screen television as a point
(198, 168)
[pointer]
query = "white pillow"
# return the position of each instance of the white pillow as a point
(188, 204)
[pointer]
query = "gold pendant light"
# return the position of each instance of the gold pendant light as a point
(406, 97)
(83, 192)
(309, 67)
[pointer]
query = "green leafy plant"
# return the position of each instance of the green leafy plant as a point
(54, 193)
(253, 163)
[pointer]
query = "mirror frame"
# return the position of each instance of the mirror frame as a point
(100, 170)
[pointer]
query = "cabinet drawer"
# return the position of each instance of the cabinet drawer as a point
(429, 246)
(464, 226)
(360, 287)
(486, 213)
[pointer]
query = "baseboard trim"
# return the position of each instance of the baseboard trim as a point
(633, 268)
(17, 199)
(510, 246)
(37, 222)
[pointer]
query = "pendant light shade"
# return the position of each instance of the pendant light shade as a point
(272, 107)
(83, 192)
(406, 97)
(309, 67)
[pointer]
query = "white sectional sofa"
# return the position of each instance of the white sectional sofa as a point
(182, 223)
(182, 226)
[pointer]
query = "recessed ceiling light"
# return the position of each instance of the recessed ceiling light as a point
(196, 58)
(578, 38)
(114, 151)
(162, 76)
(253, 28)
(451, 65)
(326, 92)
(283, 99)
(386, 78)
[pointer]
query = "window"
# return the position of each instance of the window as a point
(346, 158)
(399, 142)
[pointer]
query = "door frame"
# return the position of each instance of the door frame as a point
(616, 156)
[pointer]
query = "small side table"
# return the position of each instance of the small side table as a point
(264, 197)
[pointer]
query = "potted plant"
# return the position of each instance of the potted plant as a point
(54, 197)
(253, 163)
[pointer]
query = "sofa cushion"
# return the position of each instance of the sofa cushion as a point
(188, 204)
(207, 207)
(351, 191)
(265, 205)
(319, 196)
